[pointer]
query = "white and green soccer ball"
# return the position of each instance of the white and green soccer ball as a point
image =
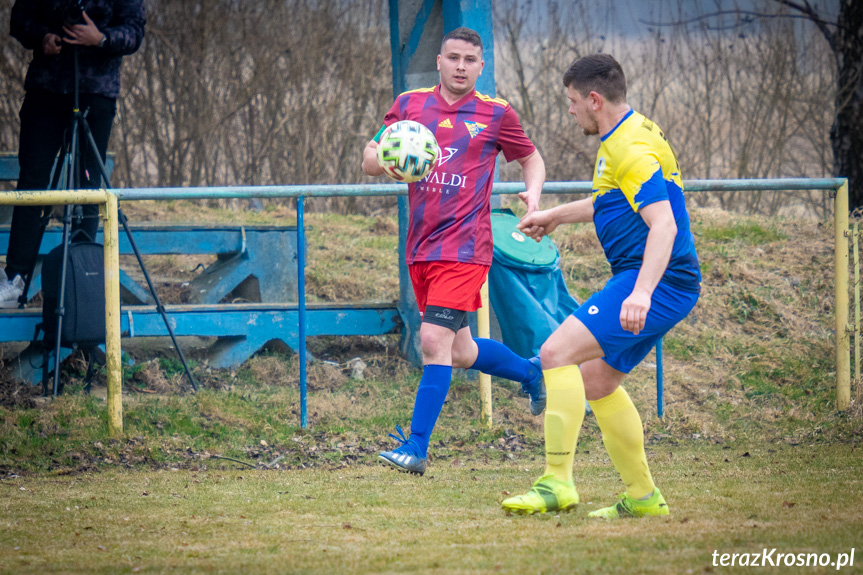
(407, 151)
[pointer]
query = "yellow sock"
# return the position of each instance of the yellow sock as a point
(564, 414)
(623, 437)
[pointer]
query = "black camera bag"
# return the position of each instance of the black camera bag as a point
(84, 304)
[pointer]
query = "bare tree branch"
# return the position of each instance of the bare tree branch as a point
(810, 13)
(750, 15)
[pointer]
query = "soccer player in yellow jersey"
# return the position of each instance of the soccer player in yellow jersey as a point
(641, 220)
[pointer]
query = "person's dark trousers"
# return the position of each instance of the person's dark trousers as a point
(45, 120)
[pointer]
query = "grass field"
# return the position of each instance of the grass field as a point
(367, 519)
(751, 453)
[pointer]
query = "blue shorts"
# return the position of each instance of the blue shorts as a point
(601, 315)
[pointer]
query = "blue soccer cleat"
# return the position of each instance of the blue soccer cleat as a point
(535, 388)
(404, 458)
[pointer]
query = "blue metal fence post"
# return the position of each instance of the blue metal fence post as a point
(301, 293)
(660, 403)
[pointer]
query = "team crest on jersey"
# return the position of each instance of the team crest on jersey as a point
(474, 128)
(600, 166)
(445, 123)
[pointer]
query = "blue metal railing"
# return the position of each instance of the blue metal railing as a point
(504, 188)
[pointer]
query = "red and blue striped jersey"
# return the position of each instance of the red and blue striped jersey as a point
(450, 209)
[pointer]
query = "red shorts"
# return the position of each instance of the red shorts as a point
(452, 285)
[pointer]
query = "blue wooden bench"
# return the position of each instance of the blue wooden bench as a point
(241, 329)
(267, 254)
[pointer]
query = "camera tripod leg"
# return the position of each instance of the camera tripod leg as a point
(124, 220)
(159, 307)
(73, 182)
(61, 297)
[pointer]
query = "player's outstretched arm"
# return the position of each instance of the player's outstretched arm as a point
(537, 224)
(533, 167)
(370, 160)
(541, 223)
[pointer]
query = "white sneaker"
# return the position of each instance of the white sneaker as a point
(10, 291)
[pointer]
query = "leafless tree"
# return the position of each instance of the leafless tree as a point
(735, 104)
(844, 35)
(757, 100)
(275, 92)
(225, 93)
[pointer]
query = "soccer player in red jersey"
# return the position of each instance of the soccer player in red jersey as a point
(449, 243)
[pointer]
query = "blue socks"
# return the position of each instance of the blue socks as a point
(430, 398)
(496, 359)
(493, 358)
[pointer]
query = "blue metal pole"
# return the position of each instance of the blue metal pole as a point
(660, 404)
(476, 14)
(301, 296)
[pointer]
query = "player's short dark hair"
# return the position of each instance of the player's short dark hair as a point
(466, 34)
(598, 73)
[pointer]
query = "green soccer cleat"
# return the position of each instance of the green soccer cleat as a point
(547, 495)
(629, 507)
